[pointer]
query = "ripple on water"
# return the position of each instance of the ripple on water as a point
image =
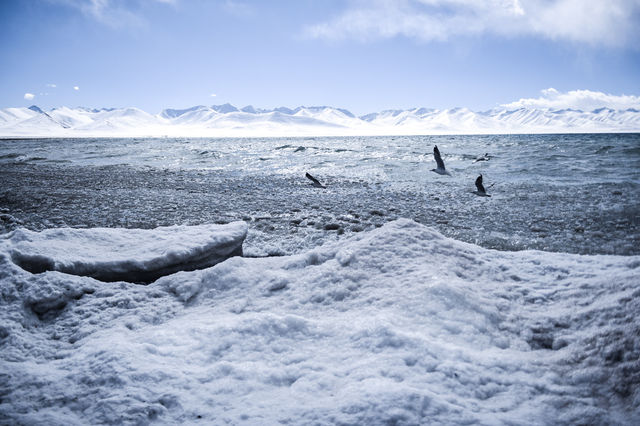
(570, 201)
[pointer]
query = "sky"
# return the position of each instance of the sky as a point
(364, 56)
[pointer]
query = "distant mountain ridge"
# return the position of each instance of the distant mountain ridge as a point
(228, 120)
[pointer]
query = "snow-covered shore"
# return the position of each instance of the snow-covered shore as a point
(397, 325)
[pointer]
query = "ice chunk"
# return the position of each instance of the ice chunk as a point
(134, 255)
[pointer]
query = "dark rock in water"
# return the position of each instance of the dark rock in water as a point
(331, 226)
(8, 222)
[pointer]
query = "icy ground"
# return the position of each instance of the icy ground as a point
(397, 325)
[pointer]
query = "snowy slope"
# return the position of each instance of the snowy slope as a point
(72, 118)
(16, 115)
(463, 120)
(125, 120)
(227, 120)
(399, 325)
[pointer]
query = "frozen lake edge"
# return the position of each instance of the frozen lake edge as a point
(398, 324)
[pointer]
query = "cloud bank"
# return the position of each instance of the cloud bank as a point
(594, 22)
(585, 100)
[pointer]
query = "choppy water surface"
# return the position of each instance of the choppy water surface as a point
(568, 193)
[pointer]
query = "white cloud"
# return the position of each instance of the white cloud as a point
(595, 22)
(213, 95)
(76, 88)
(29, 96)
(237, 8)
(51, 85)
(585, 100)
(114, 13)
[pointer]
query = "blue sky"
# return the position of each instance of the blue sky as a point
(361, 55)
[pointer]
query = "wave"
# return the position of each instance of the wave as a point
(10, 155)
(21, 158)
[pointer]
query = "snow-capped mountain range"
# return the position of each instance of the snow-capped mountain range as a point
(227, 120)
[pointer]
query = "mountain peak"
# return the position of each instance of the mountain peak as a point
(285, 110)
(224, 108)
(173, 113)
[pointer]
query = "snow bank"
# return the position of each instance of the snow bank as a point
(399, 325)
(134, 255)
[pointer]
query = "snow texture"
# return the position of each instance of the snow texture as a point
(398, 325)
(227, 120)
(134, 255)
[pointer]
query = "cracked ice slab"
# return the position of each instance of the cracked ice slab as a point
(134, 255)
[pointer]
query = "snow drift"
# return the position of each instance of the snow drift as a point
(398, 325)
(134, 255)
